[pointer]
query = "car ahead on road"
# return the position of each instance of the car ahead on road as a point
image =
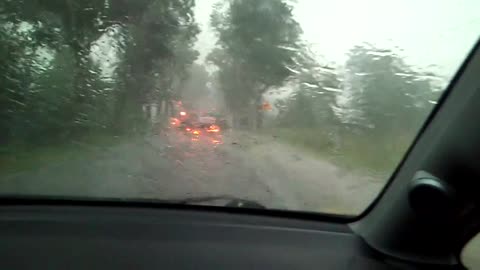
(209, 133)
(203, 128)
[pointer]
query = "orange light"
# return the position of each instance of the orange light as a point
(213, 128)
(196, 132)
(183, 113)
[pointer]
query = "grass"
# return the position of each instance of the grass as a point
(379, 155)
(373, 154)
(20, 157)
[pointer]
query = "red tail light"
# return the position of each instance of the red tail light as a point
(213, 128)
(188, 129)
(183, 113)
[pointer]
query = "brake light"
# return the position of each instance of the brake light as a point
(188, 129)
(183, 113)
(213, 128)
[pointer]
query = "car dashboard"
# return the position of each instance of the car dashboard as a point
(108, 237)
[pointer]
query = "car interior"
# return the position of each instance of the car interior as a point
(422, 220)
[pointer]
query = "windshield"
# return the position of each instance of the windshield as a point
(300, 105)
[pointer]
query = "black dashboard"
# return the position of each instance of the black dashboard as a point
(87, 237)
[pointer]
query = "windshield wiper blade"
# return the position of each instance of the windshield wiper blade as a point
(230, 201)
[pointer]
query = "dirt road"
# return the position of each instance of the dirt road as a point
(173, 166)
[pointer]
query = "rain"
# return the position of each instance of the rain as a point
(292, 105)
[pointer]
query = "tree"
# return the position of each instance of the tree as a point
(387, 95)
(316, 88)
(300, 111)
(322, 85)
(80, 23)
(21, 47)
(49, 97)
(312, 103)
(157, 52)
(232, 82)
(52, 84)
(258, 42)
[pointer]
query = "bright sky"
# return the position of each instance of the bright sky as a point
(434, 35)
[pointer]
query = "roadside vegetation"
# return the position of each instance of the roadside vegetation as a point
(355, 153)
(87, 71)
(23, 157)
(365, 117)
(94, 70)
(71, 68)
(362, 114)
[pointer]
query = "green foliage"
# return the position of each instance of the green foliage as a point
(258, 41)
(49, 97)
(384, 102)
(388, 94)
(314, 97)
(54, 86)
(300, 112)
(158, 51)
(264, 36)
(375, 156)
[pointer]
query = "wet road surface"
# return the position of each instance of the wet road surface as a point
(175, 165)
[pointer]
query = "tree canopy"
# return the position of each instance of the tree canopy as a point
(257, 45)
(54, 82)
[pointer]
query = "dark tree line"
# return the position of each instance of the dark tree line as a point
(53, 87)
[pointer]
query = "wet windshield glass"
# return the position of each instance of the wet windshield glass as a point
(301, 105)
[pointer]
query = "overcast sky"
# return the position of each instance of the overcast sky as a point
(434, 35)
